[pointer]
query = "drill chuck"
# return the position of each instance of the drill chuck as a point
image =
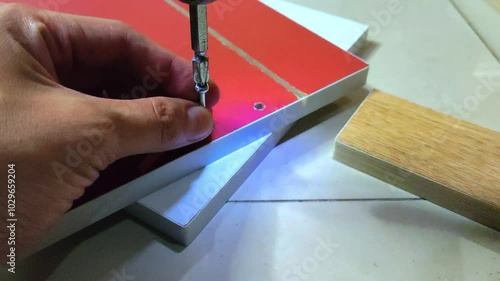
(199, 44)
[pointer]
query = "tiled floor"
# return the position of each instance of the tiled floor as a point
(484, 17)
(366, 240)
(350, 226)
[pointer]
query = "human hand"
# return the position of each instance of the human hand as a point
(48, 61)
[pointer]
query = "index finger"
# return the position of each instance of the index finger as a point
(85, 42)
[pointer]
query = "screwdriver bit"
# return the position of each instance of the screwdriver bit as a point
(199, 44)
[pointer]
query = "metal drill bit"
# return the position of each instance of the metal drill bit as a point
(199, 44)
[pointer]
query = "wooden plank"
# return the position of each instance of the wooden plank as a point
(450, 162)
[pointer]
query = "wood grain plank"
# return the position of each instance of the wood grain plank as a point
(450, 162)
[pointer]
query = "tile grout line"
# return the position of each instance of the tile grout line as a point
(247, 57)
(327, 200)
(471, 26)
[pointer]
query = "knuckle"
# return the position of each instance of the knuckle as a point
(166, 114)
(13, 7)
(18, 19)
(11, 12)
(124, 30)
(122, 24)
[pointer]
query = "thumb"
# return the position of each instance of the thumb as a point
(158, 124)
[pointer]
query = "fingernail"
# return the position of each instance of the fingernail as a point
(200, 123)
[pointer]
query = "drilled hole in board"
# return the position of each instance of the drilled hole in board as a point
(259, 106)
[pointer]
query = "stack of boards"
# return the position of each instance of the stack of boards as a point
(182, 209)
(447, 161)
(277, 92)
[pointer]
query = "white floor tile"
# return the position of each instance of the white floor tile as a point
(484, 18)
(391, 241)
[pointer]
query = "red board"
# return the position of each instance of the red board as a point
(302, 59)
(297, 55)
